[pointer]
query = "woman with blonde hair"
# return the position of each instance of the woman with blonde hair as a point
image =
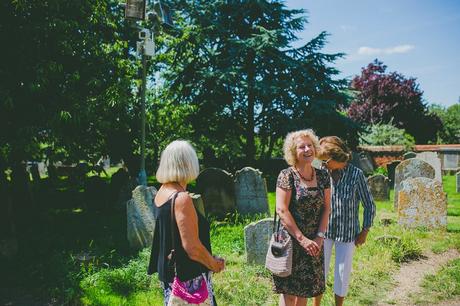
(188, 256)
(302, 203)
(349, 187)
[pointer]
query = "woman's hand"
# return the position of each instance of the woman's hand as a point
(310, 246)
(361, 237)
(219, 264)
(319, 241)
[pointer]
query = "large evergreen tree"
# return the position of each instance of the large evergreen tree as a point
(235, 65)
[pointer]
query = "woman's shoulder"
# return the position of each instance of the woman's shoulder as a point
(321, 172)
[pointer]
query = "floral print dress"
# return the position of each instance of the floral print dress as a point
(306, 206)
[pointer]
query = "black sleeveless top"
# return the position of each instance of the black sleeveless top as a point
(186, 268)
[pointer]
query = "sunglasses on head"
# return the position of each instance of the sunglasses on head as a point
(325, 162)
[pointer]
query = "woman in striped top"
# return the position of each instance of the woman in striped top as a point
(348, 188)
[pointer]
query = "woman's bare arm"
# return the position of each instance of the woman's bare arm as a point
(187, 223)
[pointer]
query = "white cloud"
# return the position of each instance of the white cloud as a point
(347, 28)
(388, 51)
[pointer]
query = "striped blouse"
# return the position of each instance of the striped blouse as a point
(350, 189)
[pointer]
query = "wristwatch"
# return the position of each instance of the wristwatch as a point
(321, 235)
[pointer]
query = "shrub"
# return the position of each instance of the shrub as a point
(405, 250)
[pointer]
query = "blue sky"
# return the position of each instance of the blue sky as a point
(419, 39)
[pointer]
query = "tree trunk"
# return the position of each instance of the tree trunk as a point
(250, 141)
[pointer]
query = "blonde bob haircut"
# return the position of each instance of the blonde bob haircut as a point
(178, 163)
(332, 147)
(290, 146)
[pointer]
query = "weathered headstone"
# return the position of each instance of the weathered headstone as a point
(433, 159)
(458, 181)
(256, 239)
(120, 188)
(250, 191)
(96, 193)
(141, 221)
(391, 167)
(218, 192)
(198, 203)
(35, 173)
(409, 154)
(363, 161)
(411, 168)
(378, 184)
(422, 203)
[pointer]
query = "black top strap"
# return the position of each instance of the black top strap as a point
(276, 227)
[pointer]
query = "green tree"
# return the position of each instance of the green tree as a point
(66, 79)
(389, 97)
(234, 64)
(450, 117)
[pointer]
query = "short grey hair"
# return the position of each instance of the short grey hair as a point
(289, 147)
(178, 163)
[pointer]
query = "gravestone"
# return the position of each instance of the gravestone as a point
(121, 187)
(409, 155)
(410, 168)
(42, 169)
(217, 190)
(391, 167)
(198, 203)
(434, 161)
(256, 239)
(363, 161)
(458, 181)
(96, 193)
(35, 172)
(141, 221)
(250, 192)
(378, 184)
(422, 203)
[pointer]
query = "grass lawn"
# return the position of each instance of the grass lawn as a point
(242, 284)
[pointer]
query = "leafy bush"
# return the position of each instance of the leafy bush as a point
(406, 249)
(381, 170)
(386, 135)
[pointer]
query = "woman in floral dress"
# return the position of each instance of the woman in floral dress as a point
(303, 205)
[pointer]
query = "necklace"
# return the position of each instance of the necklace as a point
(304, 178)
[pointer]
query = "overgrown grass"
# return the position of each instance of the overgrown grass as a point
(443, 285)
(118, 277)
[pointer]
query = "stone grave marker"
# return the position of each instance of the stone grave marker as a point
(391, 167)
(363, 161)
(217, 190)
(422, 203)
(141, 220)
(458, 181)
(378, 184)
(409, 155)
(410, 168)
(198, 203)
(256, 239)
(433, 159)
(250, 191)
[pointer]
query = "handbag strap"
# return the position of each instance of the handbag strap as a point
(173, 227)
(276, 227)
